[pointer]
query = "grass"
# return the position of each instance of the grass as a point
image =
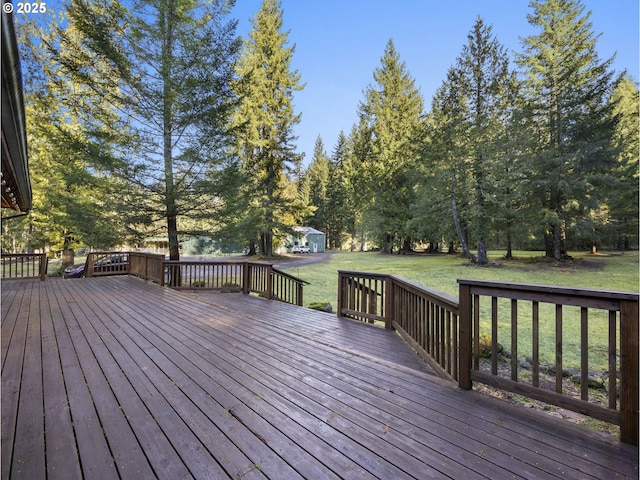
(615, 271)
(609, 272)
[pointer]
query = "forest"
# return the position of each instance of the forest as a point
(157, 120)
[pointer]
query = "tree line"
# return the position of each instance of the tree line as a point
(156, 119)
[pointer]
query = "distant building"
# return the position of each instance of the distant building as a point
(307, 237)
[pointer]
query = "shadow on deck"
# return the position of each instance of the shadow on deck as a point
(116, 378)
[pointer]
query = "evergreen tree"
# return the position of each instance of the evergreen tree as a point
(359, 191)
(317, 178)
(264, 121)
(566, 89)
(487, 87)
(339, 205)
(168, 69)
(69, 128)
(431, 219)
(448, 173)
(472, 113)
(623, 196)
(393, 109)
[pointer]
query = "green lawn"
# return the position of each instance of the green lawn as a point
(613, 271)
(609, 271)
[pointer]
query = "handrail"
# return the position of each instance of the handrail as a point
(207, 275)
(24, 265)
(446, 332)
(425, 318)
(235, 276)
(617, 312)
(106, 263)
(223, 276)
(149, 266)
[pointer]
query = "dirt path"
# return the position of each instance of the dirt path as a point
(299, 260)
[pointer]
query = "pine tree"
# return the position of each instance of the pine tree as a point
(448, 172)
(317, 179)
(623, 196)
(359, 191)
(566, 90)
(264, 121)
(488, 87)
(393, 109)
(339, 204)
(70, 136)
(473, 108)
(168, 69)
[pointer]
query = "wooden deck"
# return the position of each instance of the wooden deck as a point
(115, 378)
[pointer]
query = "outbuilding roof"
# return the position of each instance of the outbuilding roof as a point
(307, 230)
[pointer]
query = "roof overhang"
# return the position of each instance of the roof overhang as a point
(16, 186)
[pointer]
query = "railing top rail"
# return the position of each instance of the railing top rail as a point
(237, 263)
(112, 252)
(551, 290)
(205, 262)
(144, 254)
(448, 300)
(355, 273)
(291, 277)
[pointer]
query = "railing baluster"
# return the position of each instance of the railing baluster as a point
(514, 339)
(584, 353)
(613, 377)
(535, 343)
(494, 335)
(559, 362)
(476, 332)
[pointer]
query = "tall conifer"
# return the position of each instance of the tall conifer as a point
(264, 121)
(566, 88)
(393, 109)
(168, 69)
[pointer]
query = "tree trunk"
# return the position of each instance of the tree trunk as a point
(68, 254)
(557, 245)
(167, 119)
(482, 253)
(481, 217)
(456, 221)
(509, 255)
(268, 244)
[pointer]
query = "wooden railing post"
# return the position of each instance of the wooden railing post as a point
(146, 267)
(88, 267)
(246, 278)
(388, 303)
(464, 377)
(269, 282)
(300, 293)
(44, 262)
(629, 371)
(340, 293)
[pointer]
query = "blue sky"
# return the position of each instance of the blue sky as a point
(339, 44)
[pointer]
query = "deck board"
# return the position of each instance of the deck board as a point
(117, 378)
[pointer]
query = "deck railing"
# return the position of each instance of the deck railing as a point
(187, 275)
(149, 266)
(585, 321)
(453, 335)
(106, 263)
(224, 276)
(246, 277)
(426, 319)
(24, 265)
